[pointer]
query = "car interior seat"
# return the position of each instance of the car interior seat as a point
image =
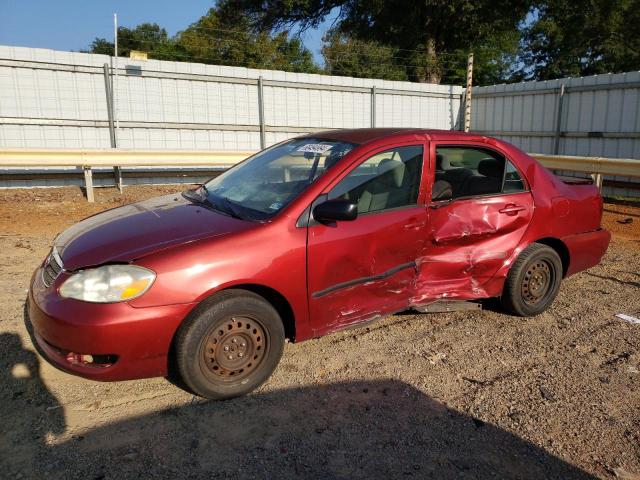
(386, 189)
(456, 177)
(441, 191)
(488, 180)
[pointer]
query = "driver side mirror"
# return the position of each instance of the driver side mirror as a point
(335, 210)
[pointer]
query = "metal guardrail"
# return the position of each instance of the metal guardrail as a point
(597, 167)
(86, 159)
(109, 157)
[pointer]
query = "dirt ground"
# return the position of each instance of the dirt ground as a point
(459, 395)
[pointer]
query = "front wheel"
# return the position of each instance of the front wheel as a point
(533, 281)
(229, 345)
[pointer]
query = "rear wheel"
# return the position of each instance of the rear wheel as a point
(229, 345)
(533, 281)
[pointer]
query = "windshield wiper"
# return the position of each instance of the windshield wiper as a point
(227, 206)
(192, 196)
(220, 204)
(204, 200)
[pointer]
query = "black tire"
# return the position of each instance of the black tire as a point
(229, 345)
(533, 281)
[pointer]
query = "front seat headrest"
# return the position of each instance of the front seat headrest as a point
(393, 168)
(490, 167)
(443, 162)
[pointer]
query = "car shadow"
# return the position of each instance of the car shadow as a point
(619, 201)
(614, 279)
(617, 212)
(362, 429)
(381, 429)
(29, 412)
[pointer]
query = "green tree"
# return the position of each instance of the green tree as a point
(428, 40)
(223, 36)
(148, 37)
(351, 57)
(581, 37)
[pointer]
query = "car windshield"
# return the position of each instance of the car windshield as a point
(264, 184)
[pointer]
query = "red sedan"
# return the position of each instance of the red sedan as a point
(310, 236)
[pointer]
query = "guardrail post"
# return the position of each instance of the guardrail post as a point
(263, 143)
(88, 183)
(373, 106)
(598, 179)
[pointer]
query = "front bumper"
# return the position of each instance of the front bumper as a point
(140, 338)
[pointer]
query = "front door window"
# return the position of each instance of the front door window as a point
(387, 180)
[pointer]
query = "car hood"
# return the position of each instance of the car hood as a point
(132, 231)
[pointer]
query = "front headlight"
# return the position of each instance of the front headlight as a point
(108, 284)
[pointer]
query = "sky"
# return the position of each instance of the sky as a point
(73, 24)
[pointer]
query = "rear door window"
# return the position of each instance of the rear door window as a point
(472, 171)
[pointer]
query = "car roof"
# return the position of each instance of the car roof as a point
(366, 135)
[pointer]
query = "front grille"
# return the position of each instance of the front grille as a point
(52, 268)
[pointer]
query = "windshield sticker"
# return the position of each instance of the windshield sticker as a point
(275, 206)
(315, 148)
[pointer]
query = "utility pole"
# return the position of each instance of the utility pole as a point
(117, 172)
(467, 96)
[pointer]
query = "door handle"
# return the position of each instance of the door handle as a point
(512, 209)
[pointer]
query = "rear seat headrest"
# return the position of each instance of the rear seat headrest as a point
(490, 167)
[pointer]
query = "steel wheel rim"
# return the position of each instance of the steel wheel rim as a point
(234, 349)
(537, 282)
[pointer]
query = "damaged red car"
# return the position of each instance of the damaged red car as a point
(312, 235)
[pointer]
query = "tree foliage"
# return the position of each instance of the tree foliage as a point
(148, 37)
(581, 37)
(422, 41)
(351, 57)
(429, 41)
(224, 36)
(221, 37)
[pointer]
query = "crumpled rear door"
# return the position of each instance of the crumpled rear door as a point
(469, 240)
